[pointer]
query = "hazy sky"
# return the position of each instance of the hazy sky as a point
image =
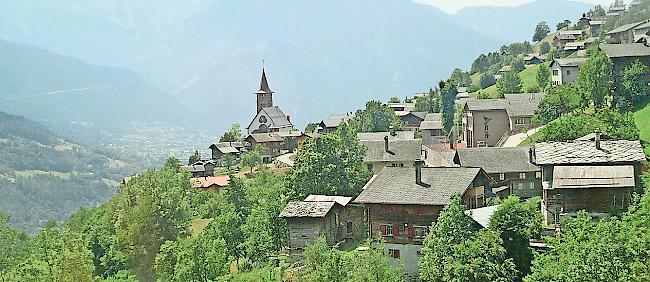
(452, 6)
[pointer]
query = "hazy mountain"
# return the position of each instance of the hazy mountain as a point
(518, 23)
(322, 56)
(49, 87)
(44, 176)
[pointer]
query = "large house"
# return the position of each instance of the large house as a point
(333, 217)
(226, 148)
(534, 59)
(487, 122)
(268, 118)
(411, 119)
(402, 203)
(624, 55)
(510, 167)
(595, 27)
(392, 152)
(565, 36)
(565, 70)
(596, 176)
(271, 144)
(623, 34)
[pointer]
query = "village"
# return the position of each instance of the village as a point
(418, 167)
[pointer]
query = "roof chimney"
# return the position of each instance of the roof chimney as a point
(386, 143)
(597, 138)
(418, 173)
(288, 118)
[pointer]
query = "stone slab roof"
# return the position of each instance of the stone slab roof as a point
(277, 117)
(335, 120)
(306, 209)
(266, 137)
(625, 50)
(486, 104)
(379, 136)
(432, 121)
(398, 150)
(497, 160)
(624, 28)
(343, 201)
(194, 168)
(482, 215)
(569, 62)
(585, 152)
(523, 105)
(396, 185)
(576, 177)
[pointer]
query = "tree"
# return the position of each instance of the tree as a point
(201, 258)
(460, 77)
(611, 122)
(563, 24)
(560, 100)
(487, 80)
(194, 158)
(227, 161)
(311, 127)
(393, 100)
(233, 134)
(516, 223)
(13, 244)
(455, 251)
(509, 83)
(543, 75)
(518, 64)
(429, 103)
(252, 158)
(330, 164)
(376, 117)
(595, 79)
(544, 48)
(633, 88)
(541, 31)
(448, 92)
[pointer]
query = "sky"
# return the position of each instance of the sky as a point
(453, 6)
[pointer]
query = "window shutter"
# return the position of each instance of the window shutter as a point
(395, 229)
(382, 229)
(411, 231)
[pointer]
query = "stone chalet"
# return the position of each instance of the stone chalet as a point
(534, 59)
(271, 143)
(332, 122)
(411, 119)
(624, 55)
(564, 37)
(226, 148)
(510, 167)
(433, 130)
(331, 216)
(214, 184)
(487, 122)
(595, 176)
(391, 152)
(196, 169)
(595, 27)
(565, 70)
(402, 203)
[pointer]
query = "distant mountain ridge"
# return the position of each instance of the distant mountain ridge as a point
(515, 24)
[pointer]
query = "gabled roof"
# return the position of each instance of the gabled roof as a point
(486, 104)
(396, 185)
(625, 50)
(306, 209)
(194, 168)
(596, 22)
(642, 26)
(432, 121)
(624, 28)
(566, 37)
(419, 115)
(227, 144)
(266, 137)
(569, 62)
(574, 177)
(398, 150)
(343, 201)
(277, 117)
(585, 152)
(497, 160)
(533, 56)
(205, 182)
(523, 105)
(482, 215)
(571, 32)
(616, 8)
(335, 120)
(379, 136)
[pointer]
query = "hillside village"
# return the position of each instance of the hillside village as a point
(499, 173)
(419, 165)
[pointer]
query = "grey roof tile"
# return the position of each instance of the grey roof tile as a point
(497, 160)
(398, 150)
(585, 152)
(306, 209)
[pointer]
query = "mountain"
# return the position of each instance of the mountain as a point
(44, 176)
(516, 24)
(54, 88)
(322, 56)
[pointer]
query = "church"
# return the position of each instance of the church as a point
(268, 118)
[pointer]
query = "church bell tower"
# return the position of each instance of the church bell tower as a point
(264, 95)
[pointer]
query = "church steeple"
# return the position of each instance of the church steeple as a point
(264, 95)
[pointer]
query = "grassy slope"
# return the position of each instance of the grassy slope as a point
(528, 78)
(642, 119)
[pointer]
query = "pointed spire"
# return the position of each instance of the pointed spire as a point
(264, 84)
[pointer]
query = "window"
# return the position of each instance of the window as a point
(370, 167)
(520, 121)
(421, 232)
(568, 72)
(393, 253)
(386, 229)
(502, 176)
(556, 72)
(522, 175)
